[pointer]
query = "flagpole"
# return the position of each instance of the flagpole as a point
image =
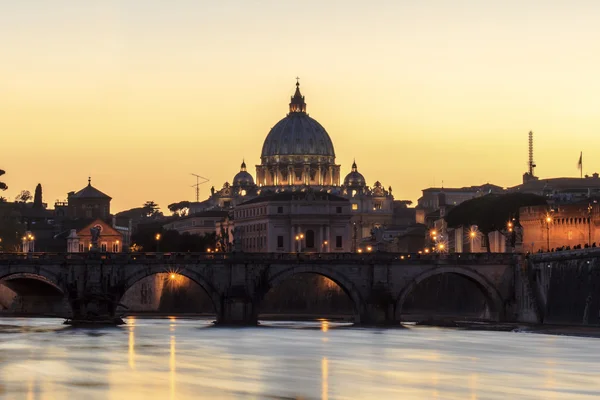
(581, 172)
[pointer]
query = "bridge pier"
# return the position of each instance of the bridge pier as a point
(382, 314)
(237, 312)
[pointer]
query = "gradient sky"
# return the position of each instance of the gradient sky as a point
(139, 94)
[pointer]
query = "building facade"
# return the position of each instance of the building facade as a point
(293, 222)
(559, 226)
(109, 239)
(88, 203)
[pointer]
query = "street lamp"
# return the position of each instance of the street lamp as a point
(472, 236)
(28, 243)
(157, 237)
(548, 221)
(589, 221)
(369, 248)
(325, 242)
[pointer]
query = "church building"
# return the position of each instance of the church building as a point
(299, 192)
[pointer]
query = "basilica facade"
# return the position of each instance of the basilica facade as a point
(297, 200)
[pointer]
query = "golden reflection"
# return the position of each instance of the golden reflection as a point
(30, 389)
(324, 378)
(473, 385)
(131, 348)
(550, 379)
(172, 369)
(434, 383)
(473, 380)
(172, 324)
(324, 325)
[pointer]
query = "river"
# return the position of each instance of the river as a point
(177, 358)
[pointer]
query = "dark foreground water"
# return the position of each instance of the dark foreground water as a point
(188, 359)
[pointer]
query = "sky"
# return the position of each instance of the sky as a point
(141, 94)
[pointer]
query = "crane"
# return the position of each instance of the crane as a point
(197, 185)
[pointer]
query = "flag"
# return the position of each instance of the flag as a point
(580, 162)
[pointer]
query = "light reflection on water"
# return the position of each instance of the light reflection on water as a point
(184, 358)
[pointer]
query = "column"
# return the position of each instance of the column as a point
(328, 238)
(319, 179)
(292, 239)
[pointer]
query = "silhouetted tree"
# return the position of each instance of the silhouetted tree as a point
(171, 240)
(37, 197)
(11, 229)
(23, 197)
(3, 185)
(491, 212)
(152, 209)
(179, 209)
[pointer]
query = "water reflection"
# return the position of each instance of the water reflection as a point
(324, 378)
(172, 364)
(175, 358)
(131, 353)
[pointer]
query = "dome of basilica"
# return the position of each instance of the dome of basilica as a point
(297, 134)
(355, 178)
(243, 178)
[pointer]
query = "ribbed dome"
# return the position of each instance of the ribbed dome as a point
(355, 178)
(243, 178)
(297, 133)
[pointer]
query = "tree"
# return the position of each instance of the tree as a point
(3, 185)
(170, 240)
(152, 209)
(180, 209)
(11, 229)
(23, 197)
(37, 198)
(492, 212)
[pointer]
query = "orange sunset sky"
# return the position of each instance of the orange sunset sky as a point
(139, 94)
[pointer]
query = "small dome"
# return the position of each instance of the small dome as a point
(243, 178)
(354, 178)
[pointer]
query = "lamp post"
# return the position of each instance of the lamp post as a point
(472, 236)
(28, 243)
(325, 242)
(589, 221)
(548, 220)
(157, 237)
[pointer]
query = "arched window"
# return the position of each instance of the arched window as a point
(310, 239)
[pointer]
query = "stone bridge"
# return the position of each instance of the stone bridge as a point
(377, 283)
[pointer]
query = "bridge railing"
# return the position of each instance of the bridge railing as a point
(242, 257)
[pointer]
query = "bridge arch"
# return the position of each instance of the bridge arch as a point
(41, 275)
(492, 295)
(194, 276)
(38, 292)
(347, 286)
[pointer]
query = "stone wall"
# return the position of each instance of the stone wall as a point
(7, 297)
(567, 286)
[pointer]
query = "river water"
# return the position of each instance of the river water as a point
(175, 358)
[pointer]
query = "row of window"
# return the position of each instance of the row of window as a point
(254, 243)
(251, 212)
(103, 247)
(253, 228)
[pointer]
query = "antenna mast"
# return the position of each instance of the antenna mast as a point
(531, 163)
(197, 185)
